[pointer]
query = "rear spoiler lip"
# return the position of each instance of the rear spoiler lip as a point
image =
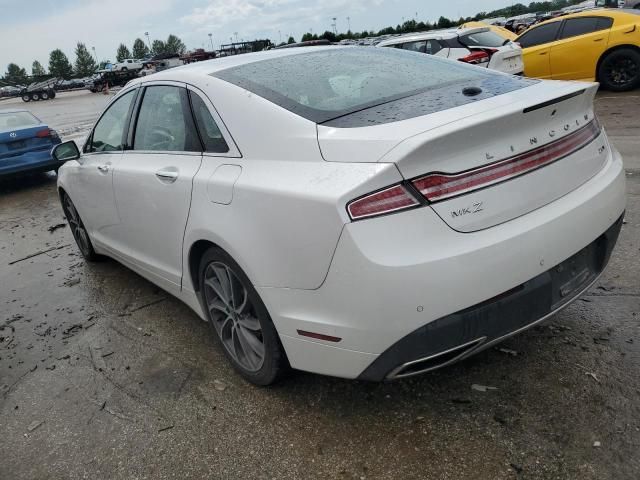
(554, 101)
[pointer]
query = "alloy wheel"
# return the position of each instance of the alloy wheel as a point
(77, 227)
(622, 71)
(234, 316)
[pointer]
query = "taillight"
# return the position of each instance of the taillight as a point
(391, 199)
(47, 132)
(476, 58)
(438, 186)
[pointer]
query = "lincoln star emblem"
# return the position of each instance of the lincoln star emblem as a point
(13, 135)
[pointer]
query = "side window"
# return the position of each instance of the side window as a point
(209, 132)
(539, 35)
(604, 23)
(108, 133)
(433, 47)
(164, 121)
(420, 46)
(579, 26)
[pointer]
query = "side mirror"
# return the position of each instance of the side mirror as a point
(66, 151)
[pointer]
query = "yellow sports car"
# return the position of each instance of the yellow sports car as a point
(594, 45)
(503, 32)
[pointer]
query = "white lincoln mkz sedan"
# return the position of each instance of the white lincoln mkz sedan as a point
(365, 213)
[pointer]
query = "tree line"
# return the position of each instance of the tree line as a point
(85, 64)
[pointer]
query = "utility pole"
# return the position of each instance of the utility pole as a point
(94, 53)
(211, 40)
(335, 25)
(349, 23)
(236, 35)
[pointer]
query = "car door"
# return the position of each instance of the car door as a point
(536, 46)
(92, 192)
(580, 44)
(153, 183)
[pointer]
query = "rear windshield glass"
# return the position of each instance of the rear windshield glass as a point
(482, 39)
(13, 120)
(327, 84)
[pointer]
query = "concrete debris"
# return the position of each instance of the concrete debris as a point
(482, 388)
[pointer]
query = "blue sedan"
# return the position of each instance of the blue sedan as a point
(25, 143)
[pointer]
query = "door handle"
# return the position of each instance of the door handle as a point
(103, 168)
(543, 53)
(598, 39)
(168, 176)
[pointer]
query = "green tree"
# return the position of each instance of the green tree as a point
(139, 48)
(291, 40)
(174, 45)
(122, 53)
(16, 74)
(85, 64)
(158, 47)
(59, 65)
(37, 70)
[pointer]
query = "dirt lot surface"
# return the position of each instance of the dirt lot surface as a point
(103, 375)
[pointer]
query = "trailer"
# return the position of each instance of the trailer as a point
(44, 90)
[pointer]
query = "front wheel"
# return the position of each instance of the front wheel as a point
(619, 71)
(240, 320)
(78, 229)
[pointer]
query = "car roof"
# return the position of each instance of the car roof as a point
(433, 35)
(620, 14)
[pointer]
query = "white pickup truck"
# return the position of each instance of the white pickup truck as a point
(127, 64)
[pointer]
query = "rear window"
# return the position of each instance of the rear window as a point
(482, 39)
(327, 84)
(13, 120)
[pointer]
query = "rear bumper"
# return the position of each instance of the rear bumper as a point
(462, 334)
(394, 275)
(34, 161)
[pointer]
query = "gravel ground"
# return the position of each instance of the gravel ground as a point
(103, 375)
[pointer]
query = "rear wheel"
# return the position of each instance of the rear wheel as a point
(44, 95)
(26, 97)
(52, 93)
(78, 229)
(35, 97)
(619, 71)
(240, 320)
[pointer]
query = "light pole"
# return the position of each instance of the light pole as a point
(349, 22)
(335, 25)
(94, 53)
(280, 36)
(148, 40)
(236, 35)
(211, 40)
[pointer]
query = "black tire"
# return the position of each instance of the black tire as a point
(274, 362)
(44, 95)
(52, 94)
(619, 71)
(124, 69)
(75, 224)
(35, 97)
(26, 97)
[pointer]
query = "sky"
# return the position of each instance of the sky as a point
(30, 29)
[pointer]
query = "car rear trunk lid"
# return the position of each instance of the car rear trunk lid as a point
(16, 142)
(494, 132)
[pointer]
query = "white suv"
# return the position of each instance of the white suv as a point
(477, 46)
(127, 64)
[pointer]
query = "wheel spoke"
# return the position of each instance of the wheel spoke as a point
(256, 346)
(250, 323)
(218, 290)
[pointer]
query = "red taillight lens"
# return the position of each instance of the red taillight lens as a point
(384, 201)
(436, 186)
(47, 132)
(476, 58)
